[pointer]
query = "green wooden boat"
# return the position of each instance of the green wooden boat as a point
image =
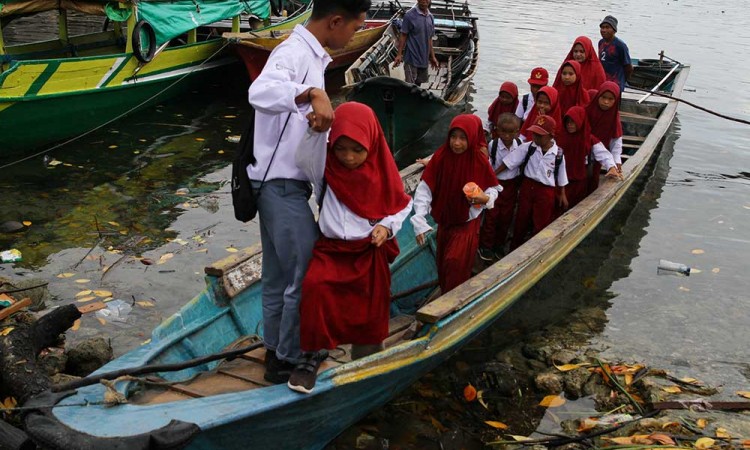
(153, 50)
(407, 111)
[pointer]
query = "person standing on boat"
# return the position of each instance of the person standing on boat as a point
(592, 72)
(603, 113)
(289, 97)
(614, 53)
(441, 194)
(538, 79)
(417, 30)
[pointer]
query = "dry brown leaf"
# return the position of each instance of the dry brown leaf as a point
(6, 331)
(102, 293)
(672, 389)
(495, 424)
(165, 257)
(662, 439)
(82, 280)
(552, 401)
(569, 367)
(84, 293)
(232, 250)
(519, 438)
(101, 321)
(470, 393)
(65, 275)
(201, 250)
(704, 443)
(628, 379)
(745, 394)
(684, 289)
(745, 443)
(438, 426)
(85, 299)
(723, 433)
(690, 380)
(91, 307)
(715, 270)
(114, 224)
(9, 403)
(26, 223)
(147, 341)
(481, 400)
(701, 423)
(697, 251)
(145, 304)
(76, 325)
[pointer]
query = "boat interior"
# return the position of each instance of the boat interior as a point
(232, 302)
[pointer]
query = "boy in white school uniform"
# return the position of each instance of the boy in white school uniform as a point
(543, 166)
(538, 79)
(289, 96)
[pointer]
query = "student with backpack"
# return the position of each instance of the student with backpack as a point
(538, 79)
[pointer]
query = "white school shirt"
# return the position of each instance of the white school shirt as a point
(615, 147)
(337, 221)
(541, 166)
(272, 94)
(520, 112)
(423, 206)
(602, 155)
(502, 152)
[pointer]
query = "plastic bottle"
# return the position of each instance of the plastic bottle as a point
(471, 190)
(666, 267)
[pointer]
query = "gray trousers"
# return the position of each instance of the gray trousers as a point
(287, 233)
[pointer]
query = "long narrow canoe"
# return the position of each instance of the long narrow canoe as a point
(228, 405)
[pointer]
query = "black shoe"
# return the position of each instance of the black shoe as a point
(499, 253)
(486, 254)
(277, 370)
(306, 373)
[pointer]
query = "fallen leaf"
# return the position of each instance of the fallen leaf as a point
(76, 325)
(697, 251)
(568, 367)
(715, 270)
(690, 380)
(145, 304)
(745, 394)
(91, 307)
(101, 321)
(746, 443)
(147, 341)
(112, 146)
(704, 443)
(6, 331)
(84, 293)
(65, 275)
(165, 257)
(495, 424)
(230, 117)
(201, 250)
(684, 289)
(147, 261)
(662, 439)
(587, 424)
(200, 139)
(221, 152)
(723, 433)
(628, 379)
(675, 425)
(9, 403)
(82, 280)
(103, 293)
(693, 270)
(114, 224)
(701, 423)
(438, 426)
(85, 299)
(54, 163)
(631, 440)
(232, 250)
(481, 400)
(519, 438)
(124, 232)
(470, 393)
(26, 223)
(672, 389)
(552, 401)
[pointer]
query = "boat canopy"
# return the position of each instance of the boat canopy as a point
(168, 18)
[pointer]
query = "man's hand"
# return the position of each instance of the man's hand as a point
(397, 60)
(434, 62)
(379, 235)
(321, 117)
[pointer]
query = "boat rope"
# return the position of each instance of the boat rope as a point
(723, 116)
(86, 133)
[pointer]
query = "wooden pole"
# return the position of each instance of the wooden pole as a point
(62, 26)
(236, 24)
(131, 24)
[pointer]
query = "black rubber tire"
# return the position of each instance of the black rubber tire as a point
(142, 25)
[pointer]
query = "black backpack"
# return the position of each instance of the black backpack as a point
(532, 149)
(244, 200)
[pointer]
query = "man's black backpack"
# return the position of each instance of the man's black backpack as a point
(243, 199)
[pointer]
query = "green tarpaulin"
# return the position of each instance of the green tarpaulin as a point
(171, 19)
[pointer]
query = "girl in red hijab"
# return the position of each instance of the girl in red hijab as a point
(592, 72)
(441, 194)
(580, 146)
(545, 103)
(569, 85)
(347, 289)
(603, 113)
(506, 101)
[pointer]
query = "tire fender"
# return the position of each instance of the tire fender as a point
(138, 51)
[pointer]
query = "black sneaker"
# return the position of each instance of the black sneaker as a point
(306, 373)
(277, 370)
(486, 254)
(499, 253)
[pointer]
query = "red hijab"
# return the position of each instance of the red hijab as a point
(605, 125)
(448, 172)
(373, 190)
(575, 94)
(497, 108)
(554, 112)
(576, 146)
(592, 71)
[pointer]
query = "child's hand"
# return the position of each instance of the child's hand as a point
(423, 161)
(379, 235)
(619, 167)
(420, 238)
(614, 173)
(563, 200)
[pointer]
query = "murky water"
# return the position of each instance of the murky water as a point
(118, 188)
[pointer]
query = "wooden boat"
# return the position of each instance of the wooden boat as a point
(57, 89)
(407, 111)
(253, 48)
(227, 405)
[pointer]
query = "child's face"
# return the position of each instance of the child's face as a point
(607, 32)
(579, 54)
(543, 104)
(568, 76)
(570, 125)
(459, 143)
(507, 132)
(542, 140)
(534, 88)
(505, 98)
(349, 152)
(606, 101)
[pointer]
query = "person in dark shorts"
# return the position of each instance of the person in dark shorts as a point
(417, 30)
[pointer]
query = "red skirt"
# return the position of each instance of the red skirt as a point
(498, 219)
(536, 210)
(594, 180)
(575, 191)
(346, 294)
(456, 250)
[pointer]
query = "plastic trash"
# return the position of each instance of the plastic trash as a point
(116, 311)
(670, 268)
(10, 256)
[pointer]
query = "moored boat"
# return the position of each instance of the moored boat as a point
(228, 405)
(149, 51)
(407, 111)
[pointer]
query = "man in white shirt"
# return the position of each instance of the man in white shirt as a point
(289, 96)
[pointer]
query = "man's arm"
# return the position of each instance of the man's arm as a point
(433, 59)
(401, 45)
